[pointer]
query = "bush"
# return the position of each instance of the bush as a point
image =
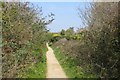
(23, 32)
(97, 52)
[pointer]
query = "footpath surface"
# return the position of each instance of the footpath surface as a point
(54, 70)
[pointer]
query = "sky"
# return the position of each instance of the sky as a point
(66, 14)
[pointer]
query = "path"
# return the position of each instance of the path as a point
(54, 70)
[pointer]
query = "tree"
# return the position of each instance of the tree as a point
(23, 32)
(69, 33)
(101, 39)
(62, 32)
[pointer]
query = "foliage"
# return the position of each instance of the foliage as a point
(37, 70)
(101, 39)
(69, 64)
(69, 34)
(23, 32)
(98, 50)
(55, 37)
(62, 32)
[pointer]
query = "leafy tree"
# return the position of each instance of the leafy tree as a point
(98, 50)
(62, 32)
(23, 32)
(69, 33)
(101, 38)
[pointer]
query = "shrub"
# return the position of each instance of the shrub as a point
(23, 32)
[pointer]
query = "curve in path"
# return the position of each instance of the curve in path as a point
(54, 70)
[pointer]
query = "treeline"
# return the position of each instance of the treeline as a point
(98, 50)
(23, 36)
(69, 34)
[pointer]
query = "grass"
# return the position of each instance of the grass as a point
(68, 64)
(37, 70)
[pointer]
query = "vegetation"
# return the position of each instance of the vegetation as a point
(101, 43)
(97, 51)
(92, 52)
(23, 36)
(70, 66)
(36, 70)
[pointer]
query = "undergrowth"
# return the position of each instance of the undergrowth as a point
(69, 65)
